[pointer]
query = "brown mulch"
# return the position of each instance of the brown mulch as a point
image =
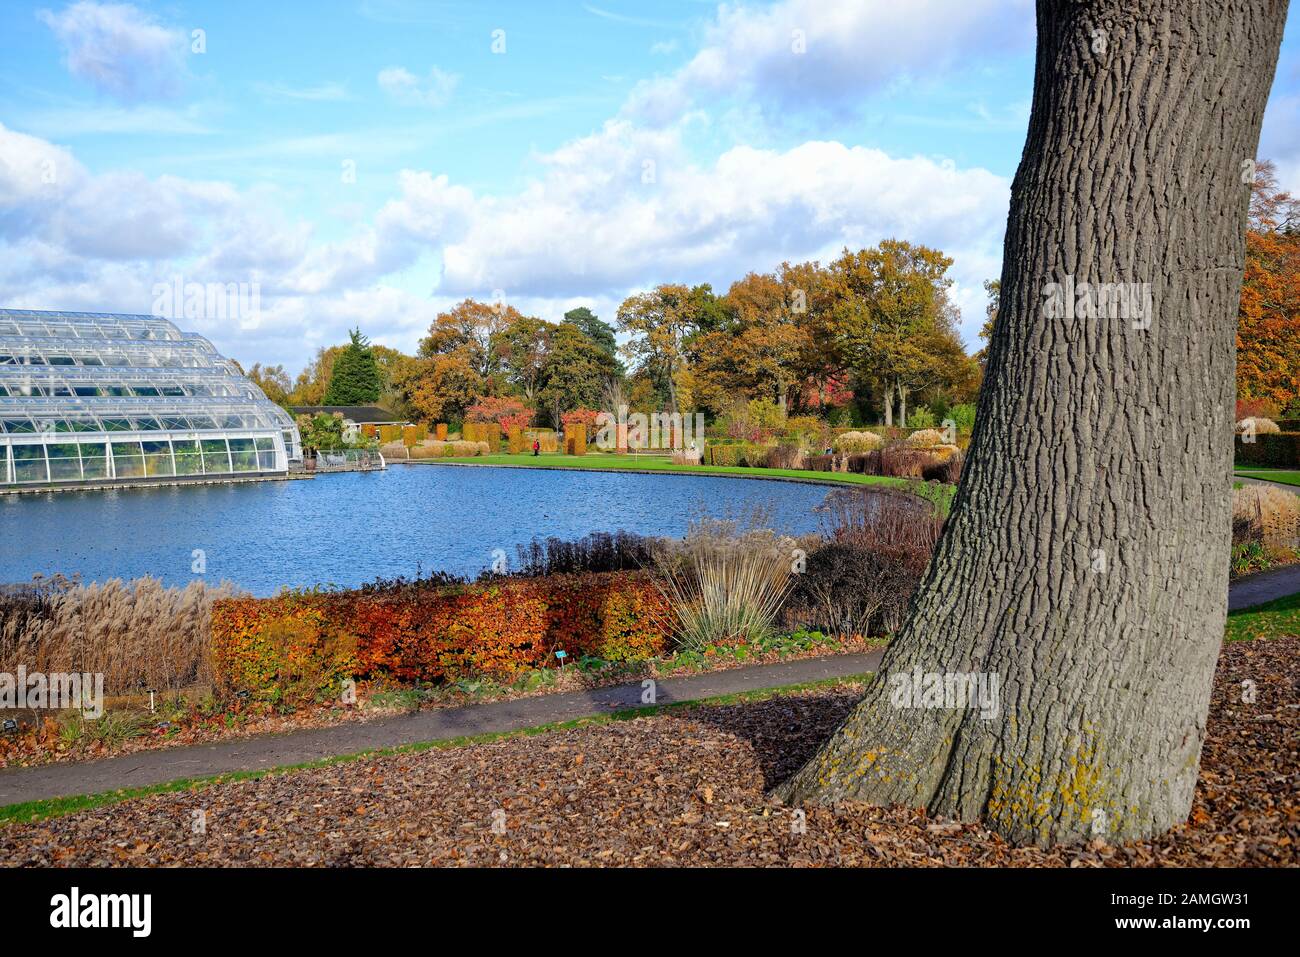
(674, 789)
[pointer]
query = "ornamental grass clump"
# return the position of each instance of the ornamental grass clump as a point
(138, 634)
(725, 584)
(858, 442)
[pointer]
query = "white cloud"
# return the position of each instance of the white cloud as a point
(607, 214)
(405, 87)
(809, 54)
(119, 49)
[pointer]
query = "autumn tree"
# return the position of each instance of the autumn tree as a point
(1083, 561)
(310, 385)
(471, 328)
(1268, 323)
(763, 348)
(884, 300)
(440, 388)
(659, 322)
(272, 380)
(522, 348)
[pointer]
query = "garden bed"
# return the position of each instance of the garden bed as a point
(129, 727)
(684, 787)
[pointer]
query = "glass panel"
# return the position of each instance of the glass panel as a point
(189, 460)
(202, 422)
(243, 455)
(158, 458)
(144, 391)
(94, 465)
(215, 457)
(266, 461)
(116, 425)
(147, 423)
(17, 425)
(65, 463)
(128, 461)
(264, 445)
(29, 464)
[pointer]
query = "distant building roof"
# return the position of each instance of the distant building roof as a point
(360, 414)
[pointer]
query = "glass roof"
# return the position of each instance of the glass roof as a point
(99, 375)
(88, 381)
(87, 325)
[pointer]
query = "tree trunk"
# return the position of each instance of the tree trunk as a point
(887, 390)
(902, 405)
(1084, 565)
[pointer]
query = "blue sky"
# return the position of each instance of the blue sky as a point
(373, 161)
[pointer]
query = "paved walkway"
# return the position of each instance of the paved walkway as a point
(1266, 482)
(1264, 586)
(18, 785)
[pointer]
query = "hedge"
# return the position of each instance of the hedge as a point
(1270, 450)
(300, 646)
(575, 439)
(546, 439)
(738, 453)
(516, 439)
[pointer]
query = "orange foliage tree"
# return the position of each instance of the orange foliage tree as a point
(1268, 324)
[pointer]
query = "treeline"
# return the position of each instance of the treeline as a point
(871, 336)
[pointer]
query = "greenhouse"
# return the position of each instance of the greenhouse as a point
(93, 398)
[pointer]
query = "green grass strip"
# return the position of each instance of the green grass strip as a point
(30, 811)
(1273, 619)
(602, 462)
(1285, 476)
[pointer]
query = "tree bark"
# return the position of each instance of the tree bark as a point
(1085, 560)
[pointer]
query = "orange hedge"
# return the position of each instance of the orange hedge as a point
(301, 645)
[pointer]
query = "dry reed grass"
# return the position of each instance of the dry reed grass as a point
(1269, 514)
(139, 634)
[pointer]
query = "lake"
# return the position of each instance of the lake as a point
(350, 528)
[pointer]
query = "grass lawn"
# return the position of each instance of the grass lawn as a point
(1270, 620)
(661, 463)
(1285, 476)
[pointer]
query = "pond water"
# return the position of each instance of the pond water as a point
(350, 528)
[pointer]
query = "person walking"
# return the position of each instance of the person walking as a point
(537, 446)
